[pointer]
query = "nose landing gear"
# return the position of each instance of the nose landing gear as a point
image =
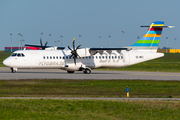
(13, 70)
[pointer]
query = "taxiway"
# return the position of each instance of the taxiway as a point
(5, 74)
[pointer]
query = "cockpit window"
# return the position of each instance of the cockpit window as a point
(22, 55)
(14, 54)
(18, 54)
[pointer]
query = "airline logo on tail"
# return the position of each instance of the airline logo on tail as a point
(151, 39)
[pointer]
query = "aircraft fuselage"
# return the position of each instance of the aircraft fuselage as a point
(61, 59)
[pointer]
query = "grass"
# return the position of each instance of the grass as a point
(3, 56)
(88, 109)
(89, 88)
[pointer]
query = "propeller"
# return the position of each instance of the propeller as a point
(43, 47)
(74, 51)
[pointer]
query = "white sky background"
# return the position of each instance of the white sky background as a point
(90, 18)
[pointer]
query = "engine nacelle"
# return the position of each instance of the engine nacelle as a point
(72, 67)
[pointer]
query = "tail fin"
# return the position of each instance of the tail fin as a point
(150, 40)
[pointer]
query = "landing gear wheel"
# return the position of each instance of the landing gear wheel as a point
(70, 71)
(13, 70)
(87, 71)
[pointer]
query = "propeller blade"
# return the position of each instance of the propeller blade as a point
(78, 55)
(70, 56)
(78, 47)
(41, 42)
(75, 61)
(45, 45)
(73, 44)
(69, 48)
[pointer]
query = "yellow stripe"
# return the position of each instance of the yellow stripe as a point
(157, 25)
(151, 35)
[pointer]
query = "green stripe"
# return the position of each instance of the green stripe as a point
(148, 41)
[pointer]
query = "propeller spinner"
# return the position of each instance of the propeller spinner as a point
(74, 51)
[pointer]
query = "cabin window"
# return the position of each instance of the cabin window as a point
(118, 57)
(56, 57)
(99, 57)
(44, 57)
(115, 57)
(50, 57)
(63, 57)
(92, 57)
(59, 57)
(136, 57)
(66, 57)
(89, 57)
(47, 57)
(96, 57)
(103, 57)
(109, 57)
(106, 57)
(112, 57)
(53, 57)
(121, 57)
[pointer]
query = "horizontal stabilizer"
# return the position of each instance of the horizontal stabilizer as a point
(159, 26)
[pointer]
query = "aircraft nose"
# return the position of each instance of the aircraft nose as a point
(6, 62)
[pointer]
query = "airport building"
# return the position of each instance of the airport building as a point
(168, 50)
(8, 49)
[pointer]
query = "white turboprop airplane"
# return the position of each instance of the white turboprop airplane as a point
(85, 59)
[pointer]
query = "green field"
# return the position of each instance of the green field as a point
(169, 63)
(89, 88)
(88, 109)
(20, 109)
(3, 55)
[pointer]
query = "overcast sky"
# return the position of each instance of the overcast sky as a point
(88, 18)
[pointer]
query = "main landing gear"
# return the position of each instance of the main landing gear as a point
(13, 70)
(85, 70)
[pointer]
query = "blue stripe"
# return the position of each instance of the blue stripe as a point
(158, 22)
(150, 38)
(154, 32)
(145, 45)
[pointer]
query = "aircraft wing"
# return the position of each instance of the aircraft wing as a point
(32, 45)
(109, 50)
(60, 48)
(38, 46)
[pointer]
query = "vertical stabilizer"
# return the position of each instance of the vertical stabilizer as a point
(150, 40)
